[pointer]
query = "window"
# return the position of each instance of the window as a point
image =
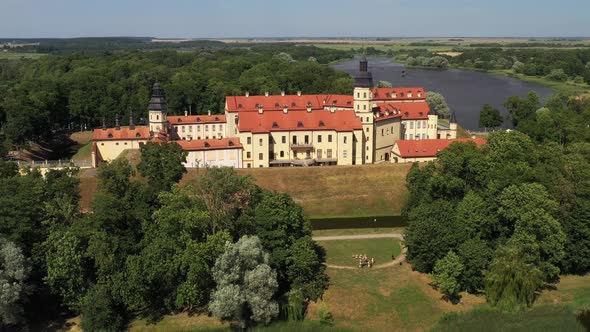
(206, 127)
(249, 165)
(294, 139)
(358, 107)
(329, 153)
(248, 155)
(157, 117)
(358, 94)
(117, 143)
(182, 127)
(412, 125)
(198, 128)
(365, 95)
(260, 142)
(329, 138)
(282, 154)
(319, 138)
(190, 129)
(367, 119)
(284, 139)
(260, 156)
(319, 153)
(345, 139)
(220, 127)
(306, 139)
(382, 132)
(307, 154)
(365, 107)
(367, 129)
(344, 153)
(249, 140)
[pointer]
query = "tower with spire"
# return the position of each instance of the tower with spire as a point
(158, 111)
(363, 95)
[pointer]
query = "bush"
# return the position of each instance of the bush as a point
(100, 313)
(518, 67)
(557, 75)
(325, 316)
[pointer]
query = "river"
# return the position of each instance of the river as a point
(466, 91)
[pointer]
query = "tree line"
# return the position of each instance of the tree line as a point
(149, 247)
(38, 97)
(509, 218)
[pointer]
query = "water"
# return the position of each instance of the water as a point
(357, 223)
(466, 91)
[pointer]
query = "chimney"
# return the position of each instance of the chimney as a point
(247, 94)
(209, 112)
(285, 109)
(309, 107)
(266, 94)
(299, 93)
(332, 110)
(104, 124)
(260, 109)
(117, 126)
(283, 93)
(131, 120)
(185, 113)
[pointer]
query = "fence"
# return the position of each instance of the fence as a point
(55, 163)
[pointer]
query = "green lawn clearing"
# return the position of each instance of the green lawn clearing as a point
(340, 252)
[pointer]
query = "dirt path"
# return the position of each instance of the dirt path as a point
(399, 259)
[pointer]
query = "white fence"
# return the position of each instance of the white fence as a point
(55, 163)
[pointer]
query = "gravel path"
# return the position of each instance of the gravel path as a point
(399, 259)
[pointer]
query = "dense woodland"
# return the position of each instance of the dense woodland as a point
(507, 219)
(38, 97)
(149, 247)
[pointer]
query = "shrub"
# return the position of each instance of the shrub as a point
(557, 75)
(326, 317)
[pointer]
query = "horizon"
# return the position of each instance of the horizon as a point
(233, 19)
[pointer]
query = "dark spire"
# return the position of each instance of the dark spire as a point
(131, 120)
(158, 101)
(364, 79)
(453, 117)
(104, 123)
(117, 126)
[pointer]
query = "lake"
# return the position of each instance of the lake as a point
(466, 91)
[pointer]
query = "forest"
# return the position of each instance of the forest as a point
(75, 91)
(508, 219)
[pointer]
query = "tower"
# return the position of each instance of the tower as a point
(363, 95)
(158, 111)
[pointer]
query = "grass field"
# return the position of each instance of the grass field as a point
(16, 56)
(340, 252)
(567, 87)
(351, 191)
(355, 231)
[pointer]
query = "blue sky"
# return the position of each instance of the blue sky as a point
(294, 18)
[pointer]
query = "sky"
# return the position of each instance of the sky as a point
(294, 18)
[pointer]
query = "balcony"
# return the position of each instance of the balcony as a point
(301, 146)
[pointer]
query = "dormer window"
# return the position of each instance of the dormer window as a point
(401, 94)
(257, 105)
(240, 106)
(275, 125)
(207, 144)
(387, 95)
(110, 135)
(293, 104)
(376, 94)
(299, 124)
(137, 135)
(198, 119)
(216, 118)
(179, 120)
(231, 143)
(322, 124)
(277, 105)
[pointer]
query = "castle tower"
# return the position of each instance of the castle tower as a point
(158, 111)
(363, 96)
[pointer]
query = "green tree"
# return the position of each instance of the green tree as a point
(437, 102)
(8, 169)
(476, 256)
(14, 271)
(447, 275)
(557, 75)
(511, 284)
(384, 84)
(246, 284)
(162, 164)
(489, 117)
(100, 312)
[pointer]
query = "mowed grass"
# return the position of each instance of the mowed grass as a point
(182, 322)
(340, 252)
(356, 231)
(337, 191)
(17, 56)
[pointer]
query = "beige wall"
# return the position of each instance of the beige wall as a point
(157, 121)
(110, 150)
(214, 158)
(363, 109)
(419, 129)
(200, 131)
(387, 133)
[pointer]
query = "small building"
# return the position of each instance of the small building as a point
(409, 151)
(222, 152)
(109, 143)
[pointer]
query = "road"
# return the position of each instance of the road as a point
(398, 260)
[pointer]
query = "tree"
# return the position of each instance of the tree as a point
(246, 284)
(162, 164)
(8, 169)
(114, 177)
(557, 75)
(518, 67)
(476, 256)
(511, 284)
(14, 271)
(447, 275)
(384, 84)
(489, 117)
(100, 312)
(437, 102)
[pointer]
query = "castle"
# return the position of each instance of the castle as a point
(290, 130)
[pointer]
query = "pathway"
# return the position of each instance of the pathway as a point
(399, 259)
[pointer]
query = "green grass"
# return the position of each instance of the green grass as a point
(541, 318)
(84, 153)
(340, 252)
(355, 231)
(16, 56)
(305, 326)
(566, 87)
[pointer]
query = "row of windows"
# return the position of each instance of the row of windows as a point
(422, 124)
(190, 128)
(358, 108)
(389, 130)
(415, 137)
(295, 140)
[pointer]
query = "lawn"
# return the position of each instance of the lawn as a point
(17, 56)
(340, 252)
(356, 231)
(347, 191)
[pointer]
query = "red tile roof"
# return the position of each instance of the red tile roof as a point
(400, 93)
(430, 147)
(124, 133)
(408, 111)
(299, 120)
(293, 102)
(195, 119)
(210, 144)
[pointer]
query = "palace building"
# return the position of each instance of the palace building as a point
(289, 130)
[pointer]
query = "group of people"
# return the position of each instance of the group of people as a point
(364, 261)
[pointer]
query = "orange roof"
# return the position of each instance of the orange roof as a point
(124, 133)
(293, 102)
(299, 120)
(195, 119)
(408, 111)
(210, 144)
(399, 93)
(430, 147)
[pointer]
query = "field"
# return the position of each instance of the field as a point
(342, 191)
(340, 252)
(16, 56)
(566, 87)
